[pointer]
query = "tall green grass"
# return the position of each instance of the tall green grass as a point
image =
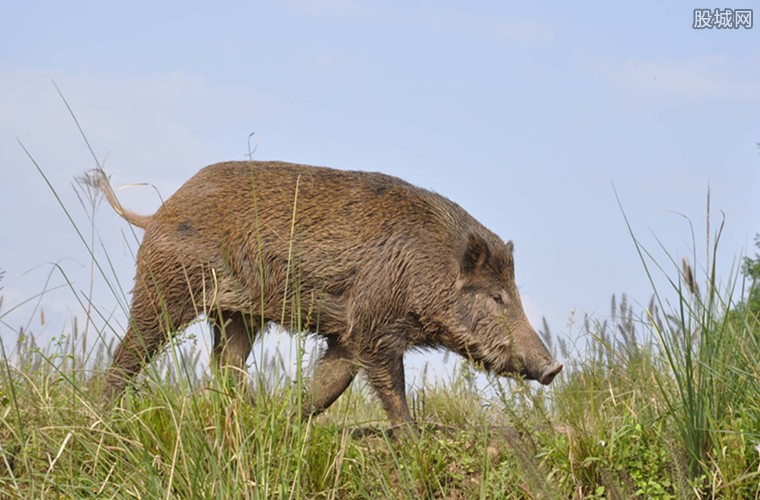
(708, 340)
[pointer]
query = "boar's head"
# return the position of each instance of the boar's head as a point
(489, 325)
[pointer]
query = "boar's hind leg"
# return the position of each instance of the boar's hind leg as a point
(333, 375)
(136, 348)
(154, 317)
(233, 337)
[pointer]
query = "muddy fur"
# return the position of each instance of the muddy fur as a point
(369, 262)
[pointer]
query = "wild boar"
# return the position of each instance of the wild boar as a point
(367, 261)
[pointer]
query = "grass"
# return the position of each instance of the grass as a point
(662, 401)
(645, 410)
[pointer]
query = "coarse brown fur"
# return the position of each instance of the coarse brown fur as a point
(368, 261)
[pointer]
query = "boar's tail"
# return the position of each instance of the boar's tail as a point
(99, 180)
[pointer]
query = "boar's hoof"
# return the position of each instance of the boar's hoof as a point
(549, 373)
(404, 431)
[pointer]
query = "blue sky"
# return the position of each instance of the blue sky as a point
(525, 114)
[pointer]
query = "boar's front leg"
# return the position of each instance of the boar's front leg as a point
(383, 362)
(333, 375)
(386, 377)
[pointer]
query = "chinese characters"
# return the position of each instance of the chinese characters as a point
(722, 19)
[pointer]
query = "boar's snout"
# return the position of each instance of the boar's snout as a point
(535, 361)
(542, 371)
(549, 373)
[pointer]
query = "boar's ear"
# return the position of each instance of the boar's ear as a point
(476, 254)
(511, 247)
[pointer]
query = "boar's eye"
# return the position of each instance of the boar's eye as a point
(497, 297)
